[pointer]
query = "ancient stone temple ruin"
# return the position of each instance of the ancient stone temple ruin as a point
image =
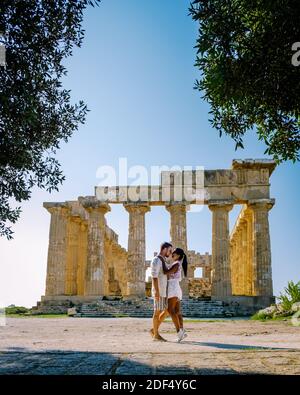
(86, 263)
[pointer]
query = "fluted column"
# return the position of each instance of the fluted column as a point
(178, 234)
(94, 280)
(233, 266)
(72, 256)
(57, 249)
(249, 267)
(82, 257)
(221, 273)
(262, 269)
(178, 224)
(244, 257)
(136, 249)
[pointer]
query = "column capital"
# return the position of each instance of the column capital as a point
(140, 208)
(177, 206)
(261, 204)
(56, 207)
(225, 205)
(92, 204)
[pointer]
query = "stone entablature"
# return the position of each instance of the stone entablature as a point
(248, 179)
(86, 262)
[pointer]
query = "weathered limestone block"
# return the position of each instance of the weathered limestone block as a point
(72, 311)
(199, 288)
(136, 250)
(296, 306)
(221, 272)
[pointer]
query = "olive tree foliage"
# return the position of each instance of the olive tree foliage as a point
(36, 112)
(250, 70)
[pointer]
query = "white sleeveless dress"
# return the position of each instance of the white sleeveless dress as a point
(173, 287)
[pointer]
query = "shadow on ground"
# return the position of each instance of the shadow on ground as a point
(226, 346)
(21, 361)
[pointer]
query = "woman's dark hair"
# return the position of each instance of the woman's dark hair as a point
(182, 256)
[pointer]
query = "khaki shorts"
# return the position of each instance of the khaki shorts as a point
(161, 304)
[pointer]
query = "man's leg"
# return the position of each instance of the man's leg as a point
(156, 322)
(163, 315)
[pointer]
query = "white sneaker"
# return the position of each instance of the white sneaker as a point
(180, 335)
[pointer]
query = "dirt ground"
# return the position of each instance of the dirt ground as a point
(124, 346)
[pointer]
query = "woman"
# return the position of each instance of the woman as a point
(174, 292)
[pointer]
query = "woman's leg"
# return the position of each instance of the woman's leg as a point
(179, 315)
(172, 311)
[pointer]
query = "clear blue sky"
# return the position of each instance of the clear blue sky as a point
(135, 71)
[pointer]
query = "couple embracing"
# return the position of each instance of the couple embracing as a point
(167, 270)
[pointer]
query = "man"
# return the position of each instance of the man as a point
(159, 288)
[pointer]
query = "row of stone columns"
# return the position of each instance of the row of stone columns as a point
(76, 255)
(250, 264)
(76, 258)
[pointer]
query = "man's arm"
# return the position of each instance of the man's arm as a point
(156, 289)
(154, 275)
(173, 269)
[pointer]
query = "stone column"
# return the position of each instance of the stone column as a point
(72, 256)
(136, 250)
(108, 265)
(238, 275)
(244, 257)
(57, 249)
(249, 268)
(233, 266)
(94, 280)
(82, 257)
(221, 276)
(178, 234)
(178, 224)
(262, 270)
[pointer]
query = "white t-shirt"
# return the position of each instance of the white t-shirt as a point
(157, 272)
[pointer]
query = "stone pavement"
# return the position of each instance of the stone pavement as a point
(123, 346)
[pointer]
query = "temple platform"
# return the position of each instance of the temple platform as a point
(143, 308)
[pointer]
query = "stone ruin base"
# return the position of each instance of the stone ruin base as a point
(235, 306)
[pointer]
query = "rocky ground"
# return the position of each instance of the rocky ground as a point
(123, 346)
